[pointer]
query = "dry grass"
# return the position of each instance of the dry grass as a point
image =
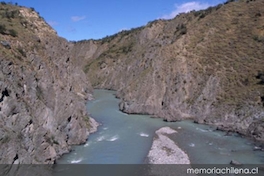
(225, 42)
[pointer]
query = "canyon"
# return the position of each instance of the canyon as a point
(205, 65)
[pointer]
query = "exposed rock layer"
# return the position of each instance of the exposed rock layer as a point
(205, 65)
(42, 93)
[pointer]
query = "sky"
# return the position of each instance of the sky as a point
(94, 19)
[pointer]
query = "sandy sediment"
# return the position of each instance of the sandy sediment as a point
(165, 151)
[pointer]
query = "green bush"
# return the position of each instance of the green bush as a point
(228, 1)
(202, 15)
(12, 32)
(10, 14)
(258, 38)
(2, 29)
(183, 29)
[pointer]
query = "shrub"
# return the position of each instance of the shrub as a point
(183, 29)
(228, 1)
(10, 14)
(5, 139)
(2, 29)
(39, 93)
(218, 6)
(12, 32)
(258, 38)
(202, 15)
(22, 52)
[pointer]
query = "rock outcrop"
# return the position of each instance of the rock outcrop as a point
(42, 92)
(205, 65)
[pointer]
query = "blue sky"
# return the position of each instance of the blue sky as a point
(95, 19)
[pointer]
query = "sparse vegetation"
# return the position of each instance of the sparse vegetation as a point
(87, 121)
(12, 32)
(258, 38)
(2, 29)
(39, 93)
(5, 139)
(228, 1)
(183, 29)
(22, 52)
(217, 58)
(9, 14)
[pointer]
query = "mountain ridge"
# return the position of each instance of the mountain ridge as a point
(203, 65)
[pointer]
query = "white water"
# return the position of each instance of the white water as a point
(76, 161)
(144, 135)
(126, 139)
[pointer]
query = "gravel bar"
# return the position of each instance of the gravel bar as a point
(165, 151)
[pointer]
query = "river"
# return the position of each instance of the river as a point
(126, 139)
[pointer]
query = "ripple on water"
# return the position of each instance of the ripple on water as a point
(100, 138)
(203, 144)
(76, 161)
(144, 134)
(202, 130)
(114, 138)
(192, 145)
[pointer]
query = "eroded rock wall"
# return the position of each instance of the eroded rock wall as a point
(42, 93)
(204, 65)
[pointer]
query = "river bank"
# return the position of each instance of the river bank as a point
(127, 139)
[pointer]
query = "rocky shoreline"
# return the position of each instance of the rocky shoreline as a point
(175, 70)
(43, 88)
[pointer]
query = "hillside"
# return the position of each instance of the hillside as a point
(42, 93)
(205, 65)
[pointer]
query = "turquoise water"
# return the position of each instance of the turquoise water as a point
(126, 139)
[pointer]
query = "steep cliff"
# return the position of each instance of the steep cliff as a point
(205, 65)
(42, 93)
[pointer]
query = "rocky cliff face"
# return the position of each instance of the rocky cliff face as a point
(42, 92)
(205, 65)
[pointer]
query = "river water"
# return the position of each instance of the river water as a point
(126, 139)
